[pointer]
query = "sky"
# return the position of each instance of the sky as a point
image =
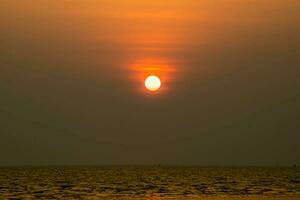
(72, 82)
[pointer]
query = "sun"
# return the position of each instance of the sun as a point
(152, 83)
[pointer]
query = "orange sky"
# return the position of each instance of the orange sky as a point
(79, 65)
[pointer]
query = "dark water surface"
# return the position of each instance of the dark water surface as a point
(114, 182)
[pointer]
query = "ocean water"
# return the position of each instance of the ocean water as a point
(146, 182)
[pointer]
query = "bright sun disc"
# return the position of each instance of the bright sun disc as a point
(152, 83)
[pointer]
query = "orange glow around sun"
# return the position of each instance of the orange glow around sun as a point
(152, 75)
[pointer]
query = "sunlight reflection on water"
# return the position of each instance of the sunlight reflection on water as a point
(146, 182)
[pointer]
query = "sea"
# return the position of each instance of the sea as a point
(147, 182)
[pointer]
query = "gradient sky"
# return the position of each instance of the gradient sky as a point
(72, 72)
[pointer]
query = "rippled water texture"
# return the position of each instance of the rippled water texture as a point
(147, 182)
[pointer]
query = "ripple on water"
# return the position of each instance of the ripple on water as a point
(47, 183)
